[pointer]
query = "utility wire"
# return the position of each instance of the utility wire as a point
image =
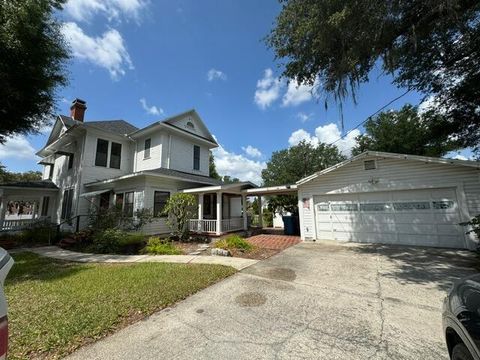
(369, 117)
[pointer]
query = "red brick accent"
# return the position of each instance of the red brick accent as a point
(77, 110)
(275, 242)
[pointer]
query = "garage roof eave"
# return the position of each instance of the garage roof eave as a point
(424, 159)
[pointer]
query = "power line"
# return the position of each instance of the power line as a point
(369, 117)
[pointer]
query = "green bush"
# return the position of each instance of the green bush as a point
(233, 242)
(38, 235)
(157, 246)
(112, 241)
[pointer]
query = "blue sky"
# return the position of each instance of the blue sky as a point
(142, 61)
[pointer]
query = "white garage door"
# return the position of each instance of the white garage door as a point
(410, 217)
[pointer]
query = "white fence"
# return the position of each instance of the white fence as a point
(210, 226)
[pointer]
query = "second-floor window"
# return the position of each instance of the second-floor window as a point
(146, 153)
(102, 153)
(115, 155)
(70, 161)
(196, 157)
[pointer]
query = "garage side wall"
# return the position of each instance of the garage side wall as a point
(390, 174)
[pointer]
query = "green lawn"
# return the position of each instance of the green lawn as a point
(56, 306)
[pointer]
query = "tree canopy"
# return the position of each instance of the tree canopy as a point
(287, 166)
(32, 57)
(405, 131)
(212, 168)
(7, 176)
(430, 46)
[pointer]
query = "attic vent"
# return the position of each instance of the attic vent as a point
(369, 165)
(190, 125)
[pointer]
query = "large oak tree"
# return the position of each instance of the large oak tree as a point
(430, 46)
(32, 57)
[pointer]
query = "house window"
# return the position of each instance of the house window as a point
(375, 207)
(146, 153)
(369, 165)
(443, 205)
(128, 204)
(196, 157)
(414, 205)
(344, 207)
(67, 204)
(115, 155)
(46, 200)
(190, 125)
(119, 201)
(50, 174)
(159, 202)
(70, 161)
(105, 200)
(102, 153)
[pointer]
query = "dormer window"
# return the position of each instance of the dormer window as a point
(196, 157)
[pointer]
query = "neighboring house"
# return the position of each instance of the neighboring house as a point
(388, 198)
(111, 162)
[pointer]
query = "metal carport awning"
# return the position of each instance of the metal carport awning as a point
(95, 193)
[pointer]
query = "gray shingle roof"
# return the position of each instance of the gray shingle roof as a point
(120, 127)
(187, 176)
(38, 184)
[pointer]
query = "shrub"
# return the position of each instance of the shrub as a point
(233, 242)
(180, 209)
(108, 241)
(157, 246)
(132, 239)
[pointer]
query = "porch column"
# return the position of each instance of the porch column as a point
(244, 212)
(3, 209)
(260, 210)
(200, 212)
(219, 213)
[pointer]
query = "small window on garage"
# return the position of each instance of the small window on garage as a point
(414, 205)
(322, 207)
(375, 207)
(369, 165)
(442, 205)
(344, 207)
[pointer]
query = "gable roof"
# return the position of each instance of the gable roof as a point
(424, 159)
(170, 123)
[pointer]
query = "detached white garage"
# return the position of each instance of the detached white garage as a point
(392, 199)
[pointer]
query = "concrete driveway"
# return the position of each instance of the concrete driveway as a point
(312, 301)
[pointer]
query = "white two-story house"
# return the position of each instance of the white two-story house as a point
(112, 162)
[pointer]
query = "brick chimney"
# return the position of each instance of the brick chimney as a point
(77, 110)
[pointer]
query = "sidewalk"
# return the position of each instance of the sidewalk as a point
(67, 255)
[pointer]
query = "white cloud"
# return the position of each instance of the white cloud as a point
(268, 89)
(235, 165)
(304, 117)
(214, 74)
(151, 110)
(17, 147)
(299, 93)
(84, 10)
(107, 51)
(326, 134)
(252, 151)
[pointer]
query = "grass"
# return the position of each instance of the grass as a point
(234, 242)
(56, 306)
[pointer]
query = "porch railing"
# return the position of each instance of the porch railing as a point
(203, 226)
(20, 224)
(210, 226)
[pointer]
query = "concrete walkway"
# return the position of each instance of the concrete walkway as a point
(67, 255)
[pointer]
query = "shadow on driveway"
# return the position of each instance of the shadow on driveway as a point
(420, 265)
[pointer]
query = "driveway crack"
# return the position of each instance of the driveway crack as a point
(382, 344)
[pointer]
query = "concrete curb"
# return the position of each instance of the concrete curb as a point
(61, 254)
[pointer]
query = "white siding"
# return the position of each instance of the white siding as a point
(391, 174)
(181, 156)
(156, 150)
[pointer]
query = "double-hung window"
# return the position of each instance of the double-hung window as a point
(128, 204)
(115, 155)
(102, 153)
(146, 152)
(196, 157)
(67, 204)
(159, 202)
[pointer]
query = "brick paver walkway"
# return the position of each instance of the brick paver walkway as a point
(275, 242)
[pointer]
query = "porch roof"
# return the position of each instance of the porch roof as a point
(94, 193)
(272, 190)
(44, 185)
(234, 187)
